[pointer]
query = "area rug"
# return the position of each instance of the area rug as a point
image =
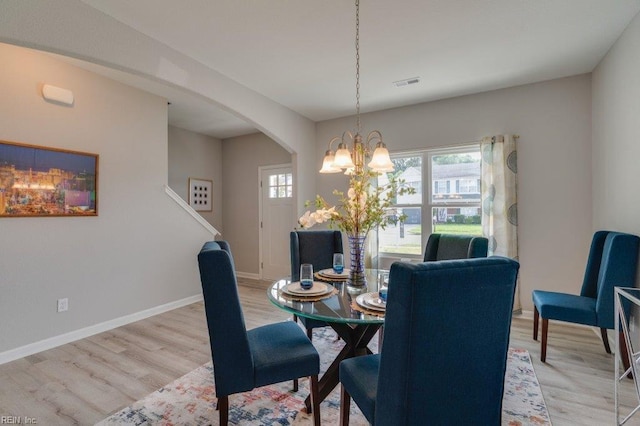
(190, 400)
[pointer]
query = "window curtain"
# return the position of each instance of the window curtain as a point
(499, 200)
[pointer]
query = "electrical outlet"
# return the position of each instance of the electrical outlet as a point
(63, 305)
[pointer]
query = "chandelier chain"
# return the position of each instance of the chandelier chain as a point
(358, 66)
(352, 161)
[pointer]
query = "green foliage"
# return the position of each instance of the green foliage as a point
(473, 220)
(403, 163)
(457, 228)
(458, 218)
(455, 159)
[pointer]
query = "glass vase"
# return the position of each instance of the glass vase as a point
(357, 277)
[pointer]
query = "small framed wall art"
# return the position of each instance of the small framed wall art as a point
(200, 194)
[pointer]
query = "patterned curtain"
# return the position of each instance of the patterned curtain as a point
(499, 200)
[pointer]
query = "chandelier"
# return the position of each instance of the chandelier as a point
(352, 161)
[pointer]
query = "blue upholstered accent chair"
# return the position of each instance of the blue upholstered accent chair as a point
(445, 347)
(451, 246)
(613, 259)
(243, 360)
(317, 248)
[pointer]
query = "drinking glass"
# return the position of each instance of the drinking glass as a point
(383, 286)
(338, 263)
(306, 276)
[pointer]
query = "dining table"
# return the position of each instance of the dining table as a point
(355, 313)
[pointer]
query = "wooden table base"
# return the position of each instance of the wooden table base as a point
(356, 339)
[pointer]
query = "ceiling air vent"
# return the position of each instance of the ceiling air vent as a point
(406, 82)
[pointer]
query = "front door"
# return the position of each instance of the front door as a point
(276, 220)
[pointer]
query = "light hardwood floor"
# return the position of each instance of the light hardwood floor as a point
(87, 380)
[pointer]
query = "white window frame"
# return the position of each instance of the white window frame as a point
(426, 207)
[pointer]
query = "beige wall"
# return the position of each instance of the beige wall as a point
(553, 120)
(192, 155)
(139, 253)
(240, 194)
(616, 135)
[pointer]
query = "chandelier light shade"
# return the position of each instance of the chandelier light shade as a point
(343, 158)
(328, 163)
(353, 160)
(381, 161)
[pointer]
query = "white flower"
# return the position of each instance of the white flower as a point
(351, 193)
(309, 219)
(322, 215)
(306, 220)
(362, 197)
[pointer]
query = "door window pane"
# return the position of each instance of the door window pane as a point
(281, 185)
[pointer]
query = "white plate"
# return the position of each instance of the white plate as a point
(330, 274)
(295, 289)
(371, 301)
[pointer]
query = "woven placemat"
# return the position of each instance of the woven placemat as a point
(356, 307)
(326, 279)
(308, 298)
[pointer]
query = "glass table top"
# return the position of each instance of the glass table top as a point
(336, 308)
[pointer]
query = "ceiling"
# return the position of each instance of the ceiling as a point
(301, 54)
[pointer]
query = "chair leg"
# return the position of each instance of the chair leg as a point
(315, 400)
(295, 385)
(310, 333)
(543, 345)
(536, 318)
(605, 340)
(223, 406)
(345, 406)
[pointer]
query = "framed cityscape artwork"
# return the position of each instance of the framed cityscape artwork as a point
(200, 194)
(41, 181)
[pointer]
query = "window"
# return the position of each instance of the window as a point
(405, 237)
(447, 202)
(469, 186)
(440, 186)
(281, 185)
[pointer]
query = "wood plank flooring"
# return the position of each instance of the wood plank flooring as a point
(87, 380)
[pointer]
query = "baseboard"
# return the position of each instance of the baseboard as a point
(52, 342)
(611, 337)
(524, 314)
(247, 275)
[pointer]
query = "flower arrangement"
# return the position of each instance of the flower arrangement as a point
(365, 206)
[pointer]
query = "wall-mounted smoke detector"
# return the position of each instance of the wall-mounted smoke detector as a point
(407, 82)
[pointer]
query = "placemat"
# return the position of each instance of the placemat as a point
(308, 298)
(355, 306)
(328, 279)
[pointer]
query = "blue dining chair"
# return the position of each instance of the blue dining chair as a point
(613, 260)
(445, 349)
(452, 246)
(244, 360)
(317, 248)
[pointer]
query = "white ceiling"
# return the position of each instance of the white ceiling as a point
(301, 53)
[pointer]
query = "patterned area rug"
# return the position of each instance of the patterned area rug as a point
(190, 400)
